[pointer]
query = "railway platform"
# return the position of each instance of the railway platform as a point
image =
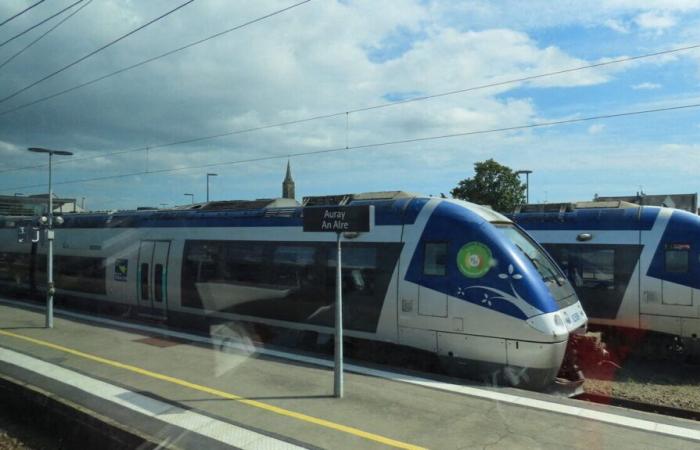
(187, 391)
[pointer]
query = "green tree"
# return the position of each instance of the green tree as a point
(493, 184)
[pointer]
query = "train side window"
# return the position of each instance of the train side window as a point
(596, 269)
(292, 265)
(158, 287)
(677, 258)
(80, 273)
(434, 262)
(243, 262)
(144, 281)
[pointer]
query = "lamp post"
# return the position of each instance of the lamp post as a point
(210, 175)
(50, 290)
(527, 183)
(191, 198)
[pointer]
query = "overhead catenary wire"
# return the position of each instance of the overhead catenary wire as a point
(371, 145)
(21, 12)
(345, 112)
(22, 33)
(149, 60)
(94, 52)
(26, 47)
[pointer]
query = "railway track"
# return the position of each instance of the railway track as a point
(640, 406)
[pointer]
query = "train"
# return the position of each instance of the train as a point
(635, 268)
(443, 276)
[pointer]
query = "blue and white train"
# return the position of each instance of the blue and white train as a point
(444, 276)
(633, 267)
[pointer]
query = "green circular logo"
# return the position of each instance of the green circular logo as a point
(474, 260)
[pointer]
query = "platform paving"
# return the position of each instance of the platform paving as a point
(288, 402)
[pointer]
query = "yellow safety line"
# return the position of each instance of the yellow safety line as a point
(218, 393)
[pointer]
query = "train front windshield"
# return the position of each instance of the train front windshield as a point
(556, 282)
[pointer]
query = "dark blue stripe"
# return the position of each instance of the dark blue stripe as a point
(589, 219)
(387, 212)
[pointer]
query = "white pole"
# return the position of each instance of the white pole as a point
(338, 376)
(49, 256)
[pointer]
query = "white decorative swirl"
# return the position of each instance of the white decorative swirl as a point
(513, 297)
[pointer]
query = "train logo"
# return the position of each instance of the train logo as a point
(474, 260)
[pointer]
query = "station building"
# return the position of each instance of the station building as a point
(35, 205)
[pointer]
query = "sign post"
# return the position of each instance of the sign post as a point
(339, 220)
(338, 353)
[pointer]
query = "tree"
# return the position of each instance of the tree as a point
(493, 184)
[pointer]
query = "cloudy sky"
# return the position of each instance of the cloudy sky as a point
(328, 57)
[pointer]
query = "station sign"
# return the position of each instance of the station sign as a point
(339, 219)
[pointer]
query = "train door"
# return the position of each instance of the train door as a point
(152, 277)
(677, 265)
(666, 281)
(433, 302)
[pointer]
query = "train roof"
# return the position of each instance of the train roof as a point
(586, 215)
(391, 208)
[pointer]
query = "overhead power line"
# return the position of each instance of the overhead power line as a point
(94, 52)
(40, 23)
(329, 115)
(369, 146)
(149, 60)
(25, 48)
(21, 12)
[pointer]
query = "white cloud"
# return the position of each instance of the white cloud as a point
(307, 62)
(617, 25)
(596, 128)
(646, 86)
(655, 20)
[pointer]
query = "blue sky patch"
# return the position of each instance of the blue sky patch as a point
(394, 45)
(401, 96)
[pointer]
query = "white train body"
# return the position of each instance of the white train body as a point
(439, 275)
(633, 267)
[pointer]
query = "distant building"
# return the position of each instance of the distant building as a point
(35, 205)
(687, 202)
(288, 184)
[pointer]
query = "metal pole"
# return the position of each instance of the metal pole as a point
(207, 187)
(527, 187)
(338, 376)
(49, 255)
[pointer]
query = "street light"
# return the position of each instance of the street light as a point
(527, 183)
(210, 175)
(50, 290)
(191, 198)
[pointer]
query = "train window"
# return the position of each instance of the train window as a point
(435, 259)
(677, 258)
(158, 283)
(289, 281)
(80, 274)
(144, 281)
(219, 274)
(596, 269)
(243, 262)
(292, 265)
(361, 272)
(15, 268)
(599, 273)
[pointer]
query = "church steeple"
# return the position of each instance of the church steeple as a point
(288, 183)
